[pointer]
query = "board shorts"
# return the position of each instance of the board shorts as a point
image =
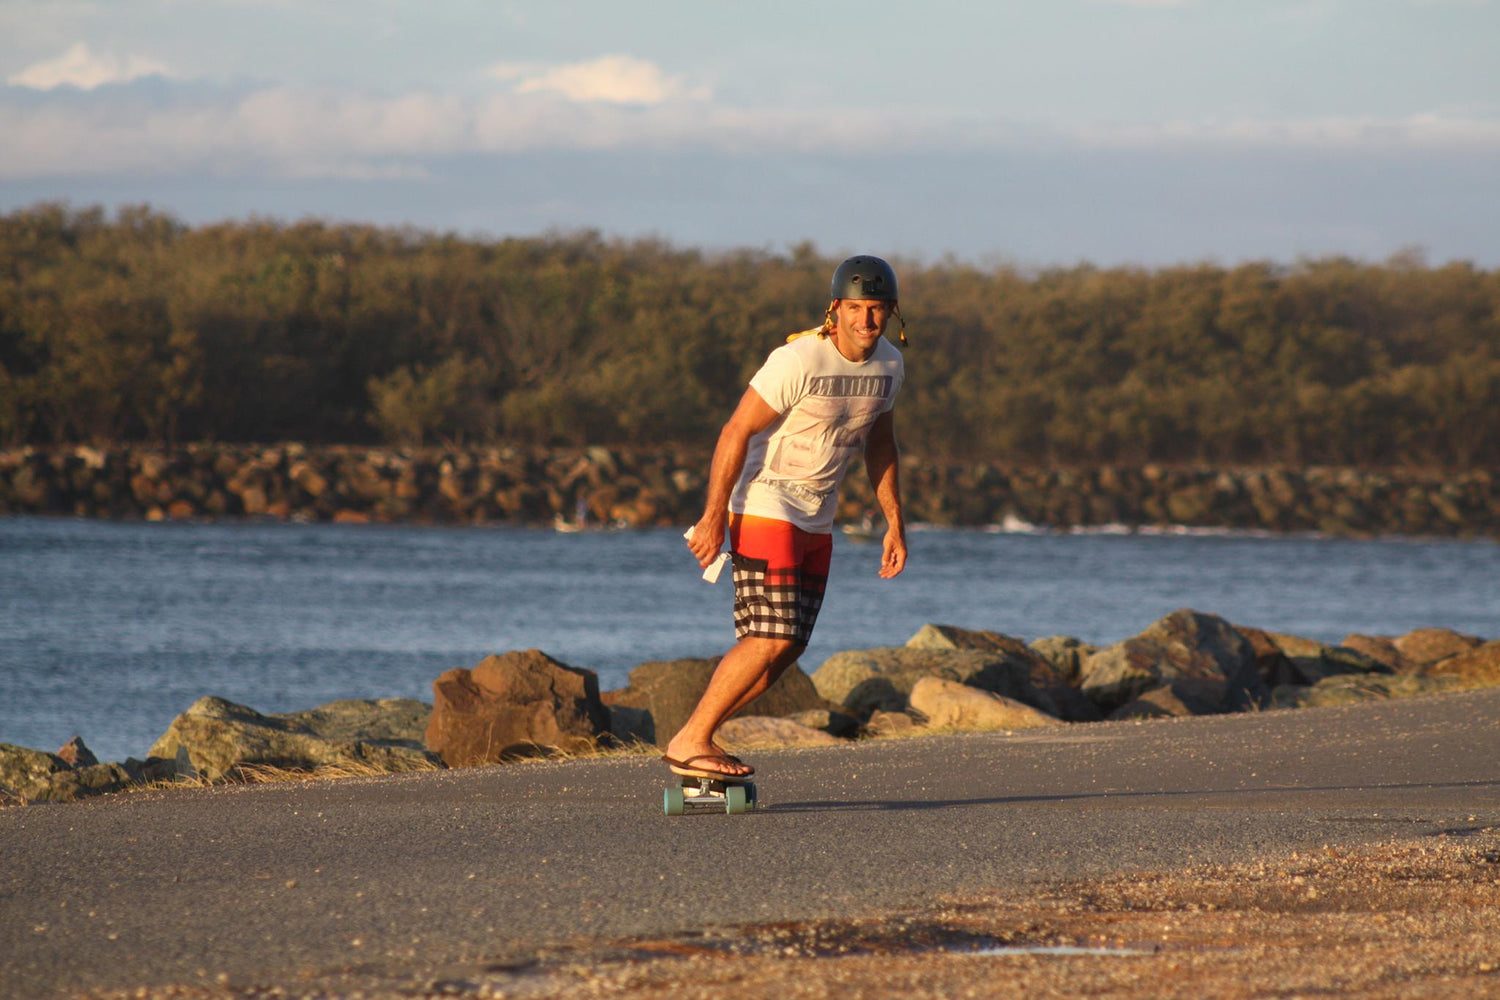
(780, 573)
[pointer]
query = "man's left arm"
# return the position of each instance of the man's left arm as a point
(883, 463)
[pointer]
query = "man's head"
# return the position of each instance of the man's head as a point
(864, 294)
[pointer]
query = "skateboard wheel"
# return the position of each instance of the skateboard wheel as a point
(672, 801)
(736, 800)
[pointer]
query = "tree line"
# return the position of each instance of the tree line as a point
(132, 326)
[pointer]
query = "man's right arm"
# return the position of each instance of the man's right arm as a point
(750, 417)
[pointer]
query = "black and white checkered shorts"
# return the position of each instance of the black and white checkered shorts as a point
(775, 604)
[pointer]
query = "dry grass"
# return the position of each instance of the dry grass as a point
(587, 750)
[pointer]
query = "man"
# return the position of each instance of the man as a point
(773, 486)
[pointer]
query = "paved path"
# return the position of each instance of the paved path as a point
(269, 883)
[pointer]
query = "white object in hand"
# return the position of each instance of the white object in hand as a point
(712, 570)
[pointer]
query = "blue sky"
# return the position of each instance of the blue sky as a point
(1048, 132)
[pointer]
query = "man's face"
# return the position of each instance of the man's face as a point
(862, 321)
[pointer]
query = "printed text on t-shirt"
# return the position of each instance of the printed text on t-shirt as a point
(851, 385)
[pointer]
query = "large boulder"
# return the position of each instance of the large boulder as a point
(37, 776)
(1202, 657)
(951, 705)
(1290, 659)
(1055, 680)
(76, 753)
(1167, 701)
(670, 689)
(866, 681)
(1477, 667)
(214, 738)
(1346, 689)
(1426, 646)
(1381, 649)
(628, 725)
(891, 724)
(517, 704)
(1066, 654)
(839, 724)
(759, 732)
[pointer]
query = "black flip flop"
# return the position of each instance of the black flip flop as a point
(686, 766)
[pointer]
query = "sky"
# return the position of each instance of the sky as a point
(1038, 133)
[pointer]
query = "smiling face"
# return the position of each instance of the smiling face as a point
(858, 326)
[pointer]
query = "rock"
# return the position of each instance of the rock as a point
(1270, 662)
(1058, 686)
(516, 704)
(833, 723)
(75, 754)
(1347, 689)
(37, 776)
(1380, 649)
(881, 679)
(387, 720)
(214, 737)
(1426, 646)
(670, 689)
(1065, 653)
(150, 770)
(629, 725)
(1478, 667)
(1201, 656)
(951, 705)
(23, 769)
(757, 732)
(1167, 701)
(884, 724)
(1289, 659)
(82, 782)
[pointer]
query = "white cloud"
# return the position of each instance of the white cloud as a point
(81, 67)
(298, 132)
(611, 79)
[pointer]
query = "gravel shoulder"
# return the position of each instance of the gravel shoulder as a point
(1411, 918)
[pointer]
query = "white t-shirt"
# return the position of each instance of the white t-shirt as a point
(827, 403)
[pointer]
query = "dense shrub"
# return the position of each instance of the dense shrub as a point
(136, 327)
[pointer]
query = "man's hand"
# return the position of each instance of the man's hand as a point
(893, 553)
(706, 540)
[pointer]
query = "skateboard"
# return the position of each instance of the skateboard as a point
(691, 793)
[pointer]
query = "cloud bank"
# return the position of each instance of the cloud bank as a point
(81, 67)
(613, 103)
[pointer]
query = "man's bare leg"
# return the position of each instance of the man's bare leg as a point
(744, 673)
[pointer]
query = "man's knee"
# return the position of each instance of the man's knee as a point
(788, 651)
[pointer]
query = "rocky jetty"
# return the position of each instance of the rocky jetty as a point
(640, 487)
(945, 678)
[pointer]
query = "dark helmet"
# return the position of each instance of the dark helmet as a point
(864, 277)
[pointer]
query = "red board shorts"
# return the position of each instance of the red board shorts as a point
(780, 573)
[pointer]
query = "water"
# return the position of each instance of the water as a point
(109, 630)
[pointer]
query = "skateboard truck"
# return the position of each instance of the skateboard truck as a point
(692, 794)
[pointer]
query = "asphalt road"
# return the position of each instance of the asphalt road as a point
(278, 883)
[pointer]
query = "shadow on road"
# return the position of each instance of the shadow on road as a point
(924, 804)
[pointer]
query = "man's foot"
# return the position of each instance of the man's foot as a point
(712, 762)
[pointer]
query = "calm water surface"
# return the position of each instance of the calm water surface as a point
(109, 630)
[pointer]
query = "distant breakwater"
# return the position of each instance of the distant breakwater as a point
(642, 487)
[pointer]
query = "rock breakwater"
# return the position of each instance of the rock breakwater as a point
(946, 678)
(640, 487)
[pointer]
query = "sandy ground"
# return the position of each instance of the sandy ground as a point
(1414, 918)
